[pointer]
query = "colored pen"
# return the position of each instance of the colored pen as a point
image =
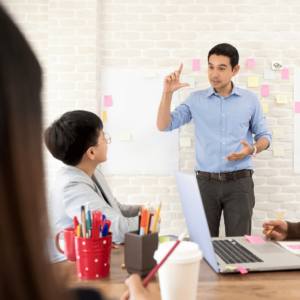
(89, 216)
(143, 221)
(150, 219)
(152, 273)
(78, 231)
(76, 223)
(105, 230)
(83, 221)
(147, 223)
(276, 220)
(140, 217)
(156, 218)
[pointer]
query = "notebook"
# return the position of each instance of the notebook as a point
(293, 243)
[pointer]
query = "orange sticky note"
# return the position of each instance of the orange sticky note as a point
(104, 118)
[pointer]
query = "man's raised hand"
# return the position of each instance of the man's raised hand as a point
(171, 82)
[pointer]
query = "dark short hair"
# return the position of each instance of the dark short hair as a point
(226, 50)
(69, 137)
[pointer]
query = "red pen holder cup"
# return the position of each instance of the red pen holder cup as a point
(93, 256)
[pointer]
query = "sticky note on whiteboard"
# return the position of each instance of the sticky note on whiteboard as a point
(107, 101)
(124, 135)
(190, 81)
(150, 73)
(185, 141)
(104, 117)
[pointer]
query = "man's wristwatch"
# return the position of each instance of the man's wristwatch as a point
(254, 152)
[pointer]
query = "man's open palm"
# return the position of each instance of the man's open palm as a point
(171, 82)
(240, 155)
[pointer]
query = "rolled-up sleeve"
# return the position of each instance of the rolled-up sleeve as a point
(259, 124)
(180, 116)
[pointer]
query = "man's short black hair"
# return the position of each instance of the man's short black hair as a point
(226, 50)
(69, 137)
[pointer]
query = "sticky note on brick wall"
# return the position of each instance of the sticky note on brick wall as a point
(278, 150)
(281, 98)
(196, 65)
(265, 106)
(278, 133)
(253, 81)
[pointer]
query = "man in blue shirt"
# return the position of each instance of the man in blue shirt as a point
(225, 118)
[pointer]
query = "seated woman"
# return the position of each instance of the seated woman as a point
(77, 139)
(282, 230)
(24, 271)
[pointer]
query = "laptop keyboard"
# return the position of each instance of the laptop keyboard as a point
(233, 252)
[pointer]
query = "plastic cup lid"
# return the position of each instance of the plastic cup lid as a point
(185, 252)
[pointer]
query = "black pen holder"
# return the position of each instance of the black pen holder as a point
(139, 252)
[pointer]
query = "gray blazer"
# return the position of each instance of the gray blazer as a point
(74, 188)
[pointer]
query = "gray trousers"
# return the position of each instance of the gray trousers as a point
(234, 197)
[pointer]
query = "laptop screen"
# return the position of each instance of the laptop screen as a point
(195, 215)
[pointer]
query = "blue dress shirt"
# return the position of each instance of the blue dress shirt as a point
(220, 124)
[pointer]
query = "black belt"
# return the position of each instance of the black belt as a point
(226, 176)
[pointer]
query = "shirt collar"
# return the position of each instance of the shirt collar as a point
(211, 91)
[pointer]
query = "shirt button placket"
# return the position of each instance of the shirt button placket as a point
(223, 134)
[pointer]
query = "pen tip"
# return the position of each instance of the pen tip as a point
(82, 207)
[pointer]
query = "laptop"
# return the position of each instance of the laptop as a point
(229, 251)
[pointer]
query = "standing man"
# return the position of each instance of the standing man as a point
(225, 118)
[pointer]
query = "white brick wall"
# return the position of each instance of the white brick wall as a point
(73, 39)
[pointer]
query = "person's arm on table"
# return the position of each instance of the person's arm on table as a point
(171, 85)
(260, 128)
(129, 210)
(282, 230)
(138, 292)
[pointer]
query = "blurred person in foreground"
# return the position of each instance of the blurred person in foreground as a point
(25, 273)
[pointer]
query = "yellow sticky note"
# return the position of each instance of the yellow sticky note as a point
(278, 150)
(185, 141)
(230, 268)
(150, 73)
(163, 239)
(281, 99)
(172, 106)
(253, 81)
(124, 135)
(278, 133)
(104, 117)
(265, 106)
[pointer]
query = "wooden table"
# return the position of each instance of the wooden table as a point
(267, 285)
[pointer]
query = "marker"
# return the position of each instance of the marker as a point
(143, 221)
(276, 220)
(156, 218)
(76, 223)
(78, 230)
(105, 230)
(83, 221)
(150, 219)
(89, 218)
(147, 223)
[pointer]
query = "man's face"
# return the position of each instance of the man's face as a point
(220, 71)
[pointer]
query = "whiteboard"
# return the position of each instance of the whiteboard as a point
(296, 122)
(136, 100)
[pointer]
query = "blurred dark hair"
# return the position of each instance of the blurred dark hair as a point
(69, 137)
(24, 271)
(226, 50)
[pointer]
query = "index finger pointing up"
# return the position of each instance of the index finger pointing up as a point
(180, 68)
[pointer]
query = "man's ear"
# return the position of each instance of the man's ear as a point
(90, 153)
(236, 70)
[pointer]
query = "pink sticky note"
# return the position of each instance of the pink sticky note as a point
(295, 247)
(196, 65)
(265, 90)
(250, 62)
(107, 101)
(297, 107)
(285, 74)
(254, 239)
(242, 270)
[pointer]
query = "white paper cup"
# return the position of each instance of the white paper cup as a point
(178, 276)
